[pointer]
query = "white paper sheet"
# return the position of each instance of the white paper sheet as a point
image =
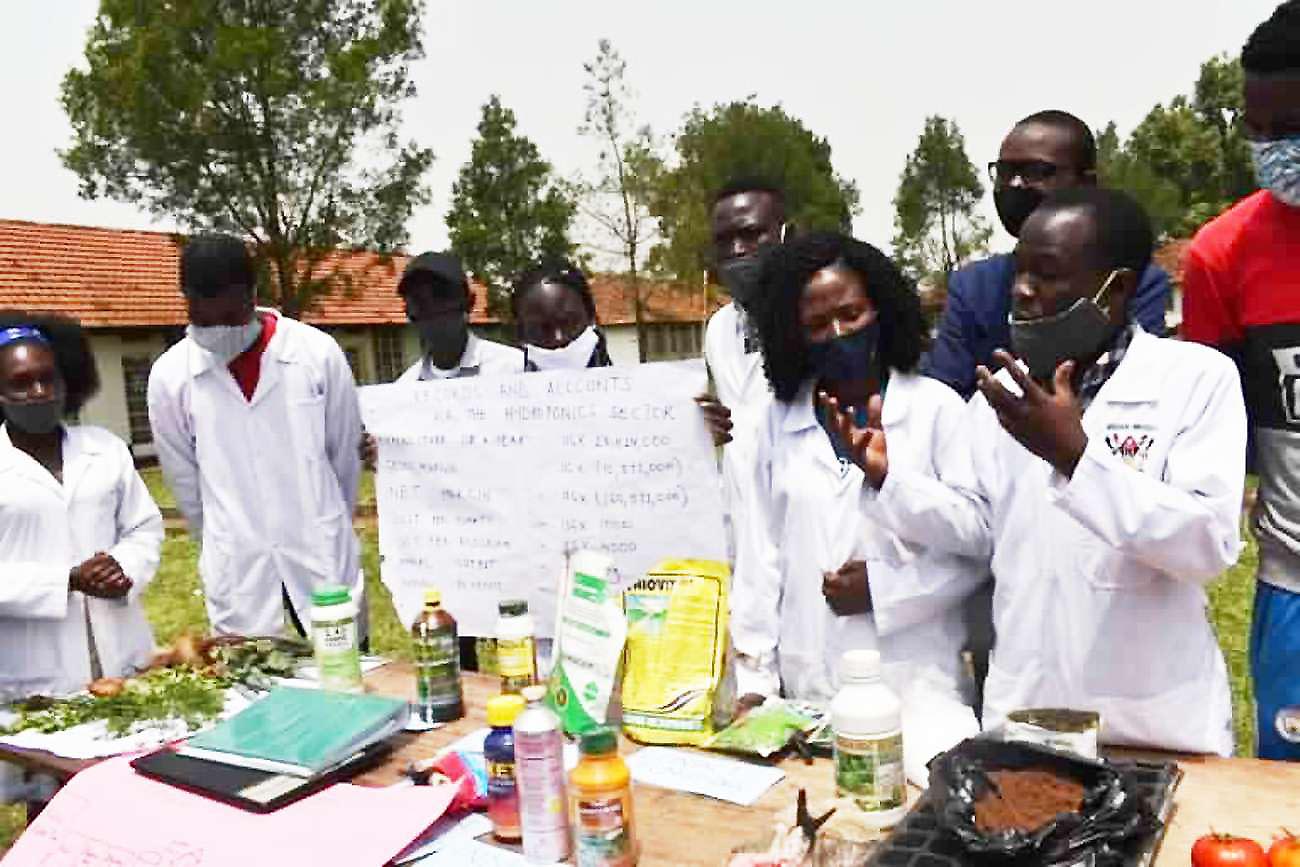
(485, 483)
(688, 771)
(94, 741)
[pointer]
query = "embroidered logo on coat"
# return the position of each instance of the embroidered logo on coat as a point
(1130, 447)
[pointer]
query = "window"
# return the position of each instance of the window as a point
(389, 358)
(354, 361)
(135, 377)
(668, 341)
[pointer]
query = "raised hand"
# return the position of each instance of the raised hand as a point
(1049, 424)
(717, 417)
(866, 445)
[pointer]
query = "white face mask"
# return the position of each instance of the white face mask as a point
(226, 341)
(574, 356)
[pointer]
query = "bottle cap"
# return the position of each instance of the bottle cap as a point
(534, 693)
(330, 594)
(860, 665)
(513, 607)
(433, 596)
(600, 741)
(502, 709)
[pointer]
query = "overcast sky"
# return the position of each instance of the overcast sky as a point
(863, 74)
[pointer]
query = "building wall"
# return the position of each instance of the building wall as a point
(621, 340)
(109, 408)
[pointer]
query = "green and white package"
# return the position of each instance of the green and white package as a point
(590, 631)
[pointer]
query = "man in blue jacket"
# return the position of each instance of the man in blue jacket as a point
(1047, 151)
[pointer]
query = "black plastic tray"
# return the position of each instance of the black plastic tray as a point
(918, 841)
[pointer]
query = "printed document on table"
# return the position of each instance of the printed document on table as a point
(688, 771)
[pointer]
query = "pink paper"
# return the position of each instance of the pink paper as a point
(110, 816)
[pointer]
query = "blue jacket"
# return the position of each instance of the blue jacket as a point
(979, 304)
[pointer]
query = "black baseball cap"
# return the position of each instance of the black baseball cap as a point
(443, 269)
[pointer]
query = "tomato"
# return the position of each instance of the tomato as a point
(1285, 851)
(1225, 850)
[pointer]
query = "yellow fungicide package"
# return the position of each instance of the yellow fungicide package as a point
(674, 657)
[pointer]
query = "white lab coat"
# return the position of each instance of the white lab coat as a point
(46, 529)
(270, 485)
(809, 520)
(742, 387)
(480, 358)
(1099, 599)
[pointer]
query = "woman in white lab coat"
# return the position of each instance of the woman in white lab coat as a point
(814, 577)
(79, 533)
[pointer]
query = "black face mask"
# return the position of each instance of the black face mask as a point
(1015, 204)
(442, 332)
(741, 277)
(37, 417)
(841, 359)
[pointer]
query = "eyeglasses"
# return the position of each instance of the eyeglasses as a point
(1029, 171)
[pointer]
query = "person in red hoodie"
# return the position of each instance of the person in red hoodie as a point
(1241, 293)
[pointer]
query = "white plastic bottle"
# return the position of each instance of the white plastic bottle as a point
(868, 722)
(539, 778)
(334, 636)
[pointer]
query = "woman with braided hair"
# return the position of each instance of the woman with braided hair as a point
(839, 324)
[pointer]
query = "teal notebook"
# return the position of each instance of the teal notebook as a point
(302, 732)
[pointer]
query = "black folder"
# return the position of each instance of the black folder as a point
(246, 788)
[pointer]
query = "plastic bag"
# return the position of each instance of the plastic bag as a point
(768, 728)
(589, 630)
(676, 643)
(1113, 813)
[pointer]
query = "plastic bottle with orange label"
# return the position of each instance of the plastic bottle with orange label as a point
(601, 791)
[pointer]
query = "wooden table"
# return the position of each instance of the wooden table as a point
(1242, 796)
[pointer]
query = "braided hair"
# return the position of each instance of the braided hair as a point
(1274, 47)
(560, 272)
(72, 354)
(786, 274)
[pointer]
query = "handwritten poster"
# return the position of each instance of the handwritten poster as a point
(485, 483)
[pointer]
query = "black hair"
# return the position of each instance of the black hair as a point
(214, 265)
(752, 184)
(72, 354)
(786, 273)
(1123, 234)
(1274, 47)
(1085, 143)
(564, 273)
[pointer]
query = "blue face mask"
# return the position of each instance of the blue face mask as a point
(1277, 168)
(845, 358)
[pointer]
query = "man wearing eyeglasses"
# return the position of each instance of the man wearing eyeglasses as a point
(1047, 151)
(1240, 294)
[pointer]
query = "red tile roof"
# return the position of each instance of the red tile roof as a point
(118, 278)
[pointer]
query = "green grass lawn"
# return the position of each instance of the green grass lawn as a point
(174, 604)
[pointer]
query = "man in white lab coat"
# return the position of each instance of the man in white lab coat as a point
(1105, 483)
(256, 421)
(438, 301)
(748, 220)
(79, 533)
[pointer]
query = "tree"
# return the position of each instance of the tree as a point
(627, 172)
(252, 117)
(507, 211)
(935, 220)
(741, 139)
(1188, 160)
